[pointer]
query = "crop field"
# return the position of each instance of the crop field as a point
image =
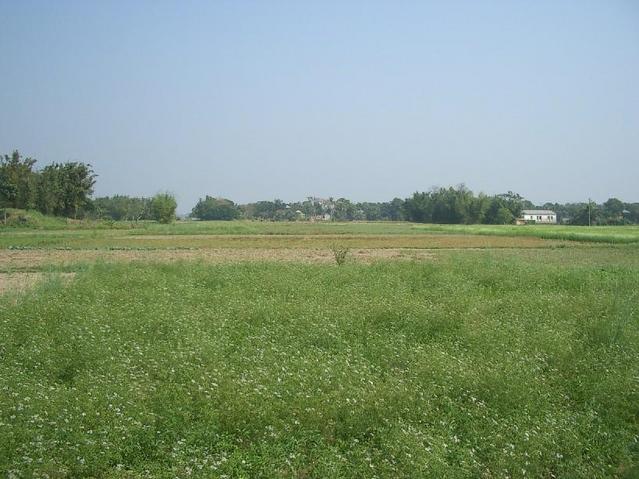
(241, 349)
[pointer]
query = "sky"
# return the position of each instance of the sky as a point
(367, 100)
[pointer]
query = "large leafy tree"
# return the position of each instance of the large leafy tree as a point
(343, 210)
(419, 207)
(588, 213)
(451, 205)
(613, 211)
(211, 208)
(393, 210)
(65, 188)
(163, 206)
(18, 187)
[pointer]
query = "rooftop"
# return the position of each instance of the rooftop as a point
(538, 212)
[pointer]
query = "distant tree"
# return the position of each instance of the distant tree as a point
(369, 211)
(418, 208)
(394, 210)
(612, 211)
(163, 206)
(265, 210)
(514, 202)
(631, 212)
(18, 188)
(588, 213)
(285, 214)
(7, 190)
(343, 210)
(478, 208)
(496, 212)
(121, 207)
(275, 210)
(451, 205)
(504, 216)
(65, 188)
(211, 208)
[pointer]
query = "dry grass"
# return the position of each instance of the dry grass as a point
(34, 259)
(17, 282)
(119, 240)
(427, 241)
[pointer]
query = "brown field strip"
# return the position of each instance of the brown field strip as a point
(34, 259)
(426, 241)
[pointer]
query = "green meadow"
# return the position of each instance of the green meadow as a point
(475, 362)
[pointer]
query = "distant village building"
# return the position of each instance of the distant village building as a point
(538, 216)
(326, 207)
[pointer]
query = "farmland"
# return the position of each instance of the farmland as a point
(240, 349)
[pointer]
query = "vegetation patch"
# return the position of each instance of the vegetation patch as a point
(21, 281)
(476, 365)
(594, 234)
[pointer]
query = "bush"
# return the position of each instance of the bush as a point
(340, 253)
(28, 219)
(163, 206)
(215, 209)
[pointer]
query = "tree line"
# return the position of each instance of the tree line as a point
(65, 189)
(452, 205)
(59, 189)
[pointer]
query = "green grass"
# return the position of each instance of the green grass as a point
(56, 233)
(20, 219)
(474, 365)
(595, 234)
(17, 219)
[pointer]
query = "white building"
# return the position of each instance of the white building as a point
(539, 216)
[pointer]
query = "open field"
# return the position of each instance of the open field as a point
(616, 234)
(596, 234)
(255, 234)
(195, 350)
(322, 241)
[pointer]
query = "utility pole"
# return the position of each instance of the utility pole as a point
(589, 203)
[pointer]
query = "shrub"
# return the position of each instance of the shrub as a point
(340, 253)
(163, 206)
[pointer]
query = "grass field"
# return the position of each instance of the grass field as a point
(201, 350)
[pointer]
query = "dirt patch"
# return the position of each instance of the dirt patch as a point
(360, 241)
(15, 282)
(32, 259)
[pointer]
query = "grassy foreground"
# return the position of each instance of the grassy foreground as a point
(470, 366)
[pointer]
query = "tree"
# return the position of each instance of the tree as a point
(632, 212)
(215, 209)
(17, 181)
(419, 207)
(588, 214)
(369, 211)
(163, 206)
(7, 189)
(344, 210)
(613, 211)
(451, 205)
(514, 202)
(478, 208)
(121, 207)
(65, 188)
(503, 216)
(393, 210)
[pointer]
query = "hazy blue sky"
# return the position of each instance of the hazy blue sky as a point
(367, 100)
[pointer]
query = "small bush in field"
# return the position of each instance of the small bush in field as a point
(340, 253)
